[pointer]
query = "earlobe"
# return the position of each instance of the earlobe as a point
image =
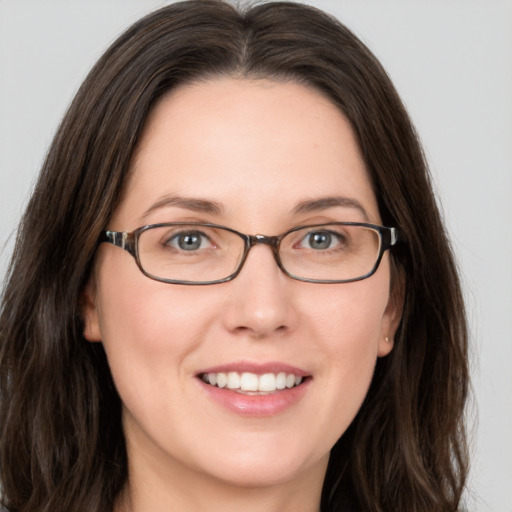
(385, 346)
(89, 312)
(392, 316)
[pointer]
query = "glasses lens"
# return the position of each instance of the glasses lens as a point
(189, 252)
(331, 252)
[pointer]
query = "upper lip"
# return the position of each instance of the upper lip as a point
(258, 368)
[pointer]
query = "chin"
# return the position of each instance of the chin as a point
(274, 470)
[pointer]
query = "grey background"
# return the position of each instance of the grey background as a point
(451, 61)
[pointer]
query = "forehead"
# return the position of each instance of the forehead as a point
(252, 146)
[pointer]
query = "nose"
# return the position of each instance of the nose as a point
(260, 300)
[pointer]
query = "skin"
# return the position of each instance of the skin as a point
(257, 148)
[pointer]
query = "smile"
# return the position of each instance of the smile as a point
(248, 382)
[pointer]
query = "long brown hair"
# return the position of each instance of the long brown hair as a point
(61, 440)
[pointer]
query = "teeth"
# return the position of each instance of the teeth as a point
(233, 380)
(267, 382)
(247, 381)
(281, 380)
(222, 380)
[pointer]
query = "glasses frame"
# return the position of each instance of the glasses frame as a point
(129, 241)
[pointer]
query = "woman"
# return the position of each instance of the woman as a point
(244, 287)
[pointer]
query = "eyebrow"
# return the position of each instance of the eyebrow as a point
(212, 207)
(188, 203)
(323, 203)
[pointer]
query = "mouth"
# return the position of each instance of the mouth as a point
(253, 389)
(249, 383)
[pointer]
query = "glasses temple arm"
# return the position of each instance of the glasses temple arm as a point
(120, 239)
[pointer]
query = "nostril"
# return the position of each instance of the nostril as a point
(259, 333)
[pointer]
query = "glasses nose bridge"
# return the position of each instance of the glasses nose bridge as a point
(263, 239)
(271, 241)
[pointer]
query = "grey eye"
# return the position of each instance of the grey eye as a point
(320, 240)
(189, 241)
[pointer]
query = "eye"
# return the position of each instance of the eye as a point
(189, 241)
(321, 240)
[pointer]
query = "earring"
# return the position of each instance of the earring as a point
(387, 339)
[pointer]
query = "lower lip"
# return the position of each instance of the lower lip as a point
(256, 405)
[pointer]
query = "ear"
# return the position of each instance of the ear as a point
(392, 314)
(89, 311)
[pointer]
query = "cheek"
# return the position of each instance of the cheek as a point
(136, 312)
(140, 326)
(347, 328)
(350, 347)
(148, 341)
(348, 318)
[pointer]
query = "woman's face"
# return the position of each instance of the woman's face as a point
(259, 157)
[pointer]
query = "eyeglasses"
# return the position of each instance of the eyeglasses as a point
(201, 253)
